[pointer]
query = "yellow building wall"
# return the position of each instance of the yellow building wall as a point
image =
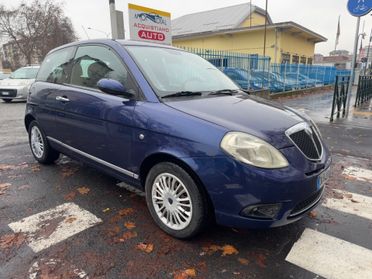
(252, 42)
(257, 19)
(297, 45)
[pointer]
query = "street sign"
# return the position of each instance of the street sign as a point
(359, 7)
(150, 25)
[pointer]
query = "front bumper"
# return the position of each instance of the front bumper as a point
(7, 92)
(233, 186)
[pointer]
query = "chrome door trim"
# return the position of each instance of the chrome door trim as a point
(98, 160)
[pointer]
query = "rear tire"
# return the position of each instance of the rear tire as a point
(39, 145)
(175, 201)
(7, 100)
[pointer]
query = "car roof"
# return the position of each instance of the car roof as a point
(112, 42)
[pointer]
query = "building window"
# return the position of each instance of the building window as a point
(303, 60)
(310, 61)
(286, 58)
(295, 59)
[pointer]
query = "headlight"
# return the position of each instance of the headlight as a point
(253, 151)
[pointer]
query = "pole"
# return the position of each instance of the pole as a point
(114, 23)
(369, 46)
(356, 39)
(250, 17)
(264, 50)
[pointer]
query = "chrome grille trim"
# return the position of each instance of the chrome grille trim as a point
(304, 126)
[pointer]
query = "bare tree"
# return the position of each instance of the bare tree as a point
(36, 27)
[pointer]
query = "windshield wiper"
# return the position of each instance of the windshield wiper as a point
(224, 92)
(183, 94)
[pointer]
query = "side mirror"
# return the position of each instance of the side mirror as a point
(113, 87)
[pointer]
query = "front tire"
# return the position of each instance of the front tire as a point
(175, 201)
(39, 145)
(7, 100)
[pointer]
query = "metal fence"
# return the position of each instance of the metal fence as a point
(340, 96)
(364, 92)
(254, 72)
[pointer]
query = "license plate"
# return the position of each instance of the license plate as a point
(323, 177)
(5, 93)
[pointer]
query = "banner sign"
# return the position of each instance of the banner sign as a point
(149, 25)
(359, 7)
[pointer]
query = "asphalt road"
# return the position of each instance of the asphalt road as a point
(111, 234)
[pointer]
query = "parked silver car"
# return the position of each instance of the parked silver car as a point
(17, 84)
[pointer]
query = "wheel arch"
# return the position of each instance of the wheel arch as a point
(28, 119)
(157, 158)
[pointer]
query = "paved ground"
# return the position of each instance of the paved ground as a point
(79, 224)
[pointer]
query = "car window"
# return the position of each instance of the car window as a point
(24, 73)
(172, 70)
(92, 63)
(56, 66)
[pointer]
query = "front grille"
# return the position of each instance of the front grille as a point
(8, 92)
(307, 141)
(306, 204)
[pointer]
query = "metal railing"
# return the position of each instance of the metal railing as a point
(255, 72)
(340, 96)
(364, 92)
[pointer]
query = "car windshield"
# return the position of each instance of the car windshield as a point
(170, 71)
(24, 73)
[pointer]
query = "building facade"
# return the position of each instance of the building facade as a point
(241, 28)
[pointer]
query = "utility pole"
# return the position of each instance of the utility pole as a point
(353, 62)
(264, 50)
(114, 21)
(369, 46)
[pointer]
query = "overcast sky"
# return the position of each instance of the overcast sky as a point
(318, 15)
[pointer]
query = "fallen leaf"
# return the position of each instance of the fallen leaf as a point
(190, 272)
(229, 250)
(211, 249)
(129, 225)
(35, 168)
(9, 240)
(70, 219)
(83, 190)
(127, 235)
(354, 201)
(112, 231)
(68, 171)
(184, 274)
(145, 247)
(313, 214)
(261, 260)
(106, 210)
(70, 196)
(126, 211)
(243, 261)
(4, 187)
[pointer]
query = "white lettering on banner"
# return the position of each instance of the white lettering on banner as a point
(146, 24)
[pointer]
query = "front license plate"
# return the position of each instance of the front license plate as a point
(5, 93)
(323, 177)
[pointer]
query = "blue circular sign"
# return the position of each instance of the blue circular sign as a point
(359, 7)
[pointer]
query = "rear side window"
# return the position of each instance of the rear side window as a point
(92, 63)
(56, 66)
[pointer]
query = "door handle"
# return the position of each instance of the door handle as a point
(62, 99)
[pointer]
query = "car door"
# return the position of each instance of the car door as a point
(94, 124)
(53, 72)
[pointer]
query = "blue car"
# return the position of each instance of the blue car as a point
(171, 124)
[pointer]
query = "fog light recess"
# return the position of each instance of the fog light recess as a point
(262, 211)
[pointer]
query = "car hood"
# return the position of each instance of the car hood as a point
(256, 116)
(16, 82)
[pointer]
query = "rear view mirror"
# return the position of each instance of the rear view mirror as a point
(113, 87)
